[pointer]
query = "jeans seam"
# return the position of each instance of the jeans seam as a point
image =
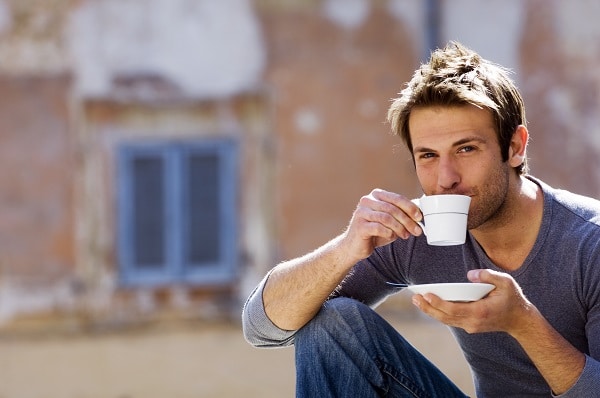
(402, 379)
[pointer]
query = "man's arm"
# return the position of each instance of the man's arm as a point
(506, 309)
(559, 363)
(296, 289)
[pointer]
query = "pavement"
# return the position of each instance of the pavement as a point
(183, 361)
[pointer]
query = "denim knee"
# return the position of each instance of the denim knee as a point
(347, 349)
(336, 315)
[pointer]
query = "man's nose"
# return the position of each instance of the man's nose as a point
(448, 175)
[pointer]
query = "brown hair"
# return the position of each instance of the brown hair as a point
(454, 76)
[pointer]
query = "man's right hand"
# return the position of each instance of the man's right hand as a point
(380, 218)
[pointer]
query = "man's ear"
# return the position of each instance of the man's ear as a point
(518, 146)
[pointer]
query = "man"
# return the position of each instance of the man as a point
(536, 334)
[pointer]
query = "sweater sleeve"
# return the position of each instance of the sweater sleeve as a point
(258, 329)
(588, 384)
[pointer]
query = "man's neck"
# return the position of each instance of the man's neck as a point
(508, 239)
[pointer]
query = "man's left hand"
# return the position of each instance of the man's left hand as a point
(503, 309)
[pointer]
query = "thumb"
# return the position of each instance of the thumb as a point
(481, 276)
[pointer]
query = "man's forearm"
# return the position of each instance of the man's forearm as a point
(296, 289)
(559, 362)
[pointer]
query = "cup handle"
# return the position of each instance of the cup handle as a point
(417, 202)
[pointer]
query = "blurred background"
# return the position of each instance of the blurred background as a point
(159, 156)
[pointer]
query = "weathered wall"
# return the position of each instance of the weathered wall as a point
(207, 49)
(561, 84)
(331, 85)
(305, 84)
(37, 158)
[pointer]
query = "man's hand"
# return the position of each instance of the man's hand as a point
(380, 218)
(504, 309)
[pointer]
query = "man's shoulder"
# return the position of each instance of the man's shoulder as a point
(570, 204)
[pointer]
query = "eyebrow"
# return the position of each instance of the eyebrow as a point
(460, 142)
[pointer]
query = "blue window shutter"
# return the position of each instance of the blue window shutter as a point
(148, 216)
(177, 212)
(209, 211)
(204, 202)
(144, 223)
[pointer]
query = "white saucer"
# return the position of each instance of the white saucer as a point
(454, 291)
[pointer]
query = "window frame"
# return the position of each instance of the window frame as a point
(176, 157)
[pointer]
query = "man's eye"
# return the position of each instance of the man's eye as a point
(467, 148)
(427, 155)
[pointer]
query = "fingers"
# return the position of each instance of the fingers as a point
(408, 207)
(503, 309)
(380, 218)
(391, 214)
(469, 317)
(433, 306)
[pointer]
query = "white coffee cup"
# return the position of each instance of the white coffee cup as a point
(445, 218)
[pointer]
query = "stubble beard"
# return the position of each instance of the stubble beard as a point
(490, 206)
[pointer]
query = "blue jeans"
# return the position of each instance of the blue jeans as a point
(348, 350)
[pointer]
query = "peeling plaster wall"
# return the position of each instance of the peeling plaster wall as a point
(348, 14)
(573, 29)
(203, 53)
(332, 75)
(411, 13)
(205, 48)
(31, 37)
(579, 101)
(561, 85)
(493, 28)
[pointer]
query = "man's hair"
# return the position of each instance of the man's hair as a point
(455, 76)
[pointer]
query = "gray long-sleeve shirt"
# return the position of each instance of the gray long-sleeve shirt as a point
(560, 276)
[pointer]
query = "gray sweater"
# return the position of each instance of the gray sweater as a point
(560, 276)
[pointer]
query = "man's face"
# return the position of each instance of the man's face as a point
(456, 151)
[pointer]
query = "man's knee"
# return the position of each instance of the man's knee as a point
(335, 316)
(344, 308)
